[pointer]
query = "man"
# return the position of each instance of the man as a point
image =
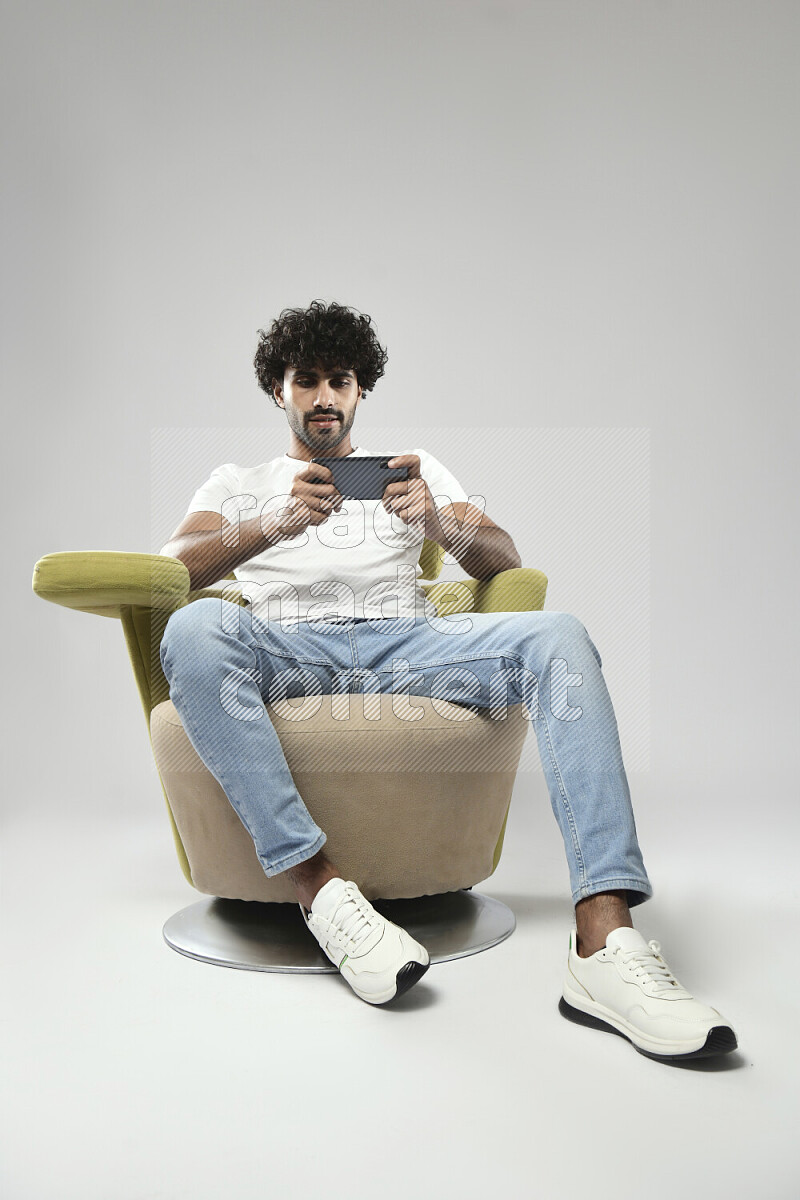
(317, 364)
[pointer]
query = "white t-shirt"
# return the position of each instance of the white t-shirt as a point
(361, 562)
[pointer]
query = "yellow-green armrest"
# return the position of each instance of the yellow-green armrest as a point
(522, 589)
(105, 582)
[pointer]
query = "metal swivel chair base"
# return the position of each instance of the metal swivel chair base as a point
(251, 936)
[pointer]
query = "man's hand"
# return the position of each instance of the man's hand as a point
(480, 546)
(411, 499)
(310, 503)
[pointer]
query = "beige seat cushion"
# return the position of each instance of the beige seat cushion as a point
(410, 807)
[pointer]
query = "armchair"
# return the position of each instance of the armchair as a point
(415, 840)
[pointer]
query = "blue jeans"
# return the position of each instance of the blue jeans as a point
(222, 662)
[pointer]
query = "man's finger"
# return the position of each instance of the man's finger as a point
(400, 488)
(406, 460)
(316, 473)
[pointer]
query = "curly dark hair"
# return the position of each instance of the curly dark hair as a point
(326, 335)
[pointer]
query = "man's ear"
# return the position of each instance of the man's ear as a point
(277, 388)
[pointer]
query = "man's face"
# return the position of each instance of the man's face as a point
(310, 393)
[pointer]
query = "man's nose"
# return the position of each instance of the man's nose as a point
(324, 396)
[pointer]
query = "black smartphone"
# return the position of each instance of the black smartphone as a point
(363, 477)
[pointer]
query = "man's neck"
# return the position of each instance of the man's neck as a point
(307, 457)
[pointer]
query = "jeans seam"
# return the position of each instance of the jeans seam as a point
(625, 881)
(293, 860)
(314, 662)
(454, 658)
(565, 798)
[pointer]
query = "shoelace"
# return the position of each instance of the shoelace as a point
(355, 925)
(651, 968)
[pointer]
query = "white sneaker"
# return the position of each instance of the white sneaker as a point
(627, 988)
(378, 959)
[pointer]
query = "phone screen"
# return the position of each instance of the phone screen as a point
(364, 477)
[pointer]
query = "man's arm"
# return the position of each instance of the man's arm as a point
(480, 546)
(210, 547)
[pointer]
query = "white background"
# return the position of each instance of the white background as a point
(568, 220)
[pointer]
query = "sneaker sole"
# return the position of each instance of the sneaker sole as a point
(720, 1038)
(405, 979)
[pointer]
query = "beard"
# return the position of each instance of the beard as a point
(320, 440)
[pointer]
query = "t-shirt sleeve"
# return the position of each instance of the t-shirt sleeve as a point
(221, 485)
(444, 486)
